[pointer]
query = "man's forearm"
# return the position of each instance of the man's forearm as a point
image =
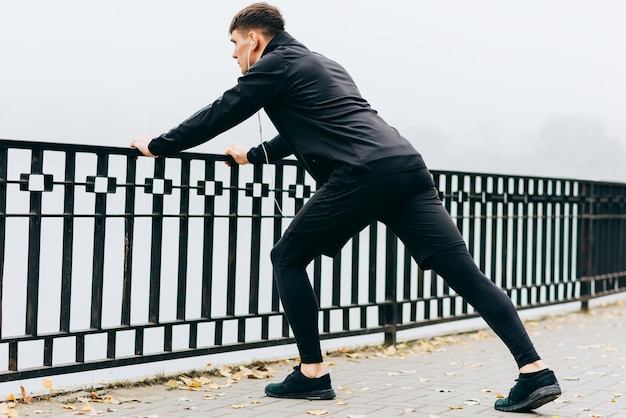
(195, 130)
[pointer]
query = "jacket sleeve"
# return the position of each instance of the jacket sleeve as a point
(276, 148)
(257, 87)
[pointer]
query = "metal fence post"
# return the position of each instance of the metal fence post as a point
(585, 243)
(391, 285)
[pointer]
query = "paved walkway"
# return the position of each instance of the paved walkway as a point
(456, 376)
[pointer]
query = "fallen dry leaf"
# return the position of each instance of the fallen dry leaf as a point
(391, 350)
(260, 374)
(86, 407)
(225, 371)
(317, 412)
(129, 400)
(25, 397)
(238, 406)
(190, 383)
(47, 383)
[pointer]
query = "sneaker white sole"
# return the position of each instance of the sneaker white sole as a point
(316, 395)
(539, 397)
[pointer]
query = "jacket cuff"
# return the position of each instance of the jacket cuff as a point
(255, 156)
(153, 147)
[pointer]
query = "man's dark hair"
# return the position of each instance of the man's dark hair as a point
(259, 16)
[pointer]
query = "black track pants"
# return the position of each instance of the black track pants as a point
(458, 269)
(409, 205)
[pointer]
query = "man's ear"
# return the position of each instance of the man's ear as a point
(253, 36)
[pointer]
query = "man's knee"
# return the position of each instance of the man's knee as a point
(289, 253)
(276, 253)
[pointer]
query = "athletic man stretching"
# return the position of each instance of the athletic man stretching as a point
(369, 172)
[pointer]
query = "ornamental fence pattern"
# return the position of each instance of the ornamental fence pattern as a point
(107, 259)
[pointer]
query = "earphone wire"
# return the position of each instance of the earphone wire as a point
(267, 159)
(267, 165)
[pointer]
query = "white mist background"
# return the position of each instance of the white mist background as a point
(519, 87)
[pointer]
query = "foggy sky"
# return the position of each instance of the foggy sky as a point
(520, 87)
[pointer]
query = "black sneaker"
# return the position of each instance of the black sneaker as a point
(530, 392)
(298, 386)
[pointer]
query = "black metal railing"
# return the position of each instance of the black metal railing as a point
(107, 259)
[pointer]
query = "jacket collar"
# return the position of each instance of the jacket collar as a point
(282, 38)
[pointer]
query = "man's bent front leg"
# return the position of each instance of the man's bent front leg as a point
(298, 298)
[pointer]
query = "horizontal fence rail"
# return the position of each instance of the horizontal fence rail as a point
(107, 259)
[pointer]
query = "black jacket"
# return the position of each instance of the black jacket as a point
(317, 110)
